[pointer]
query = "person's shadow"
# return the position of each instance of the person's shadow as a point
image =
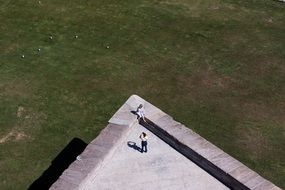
(134, 146)
(135, 113)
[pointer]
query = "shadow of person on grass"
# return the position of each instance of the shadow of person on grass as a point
(134, 146)
(59, 164)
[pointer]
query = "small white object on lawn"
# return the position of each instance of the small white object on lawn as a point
(76, 36)
(108, 47)
(23, 56)
(50, 37)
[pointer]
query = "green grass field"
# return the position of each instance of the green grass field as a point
(218, 66)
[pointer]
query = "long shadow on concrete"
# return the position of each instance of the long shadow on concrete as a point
(59, 164)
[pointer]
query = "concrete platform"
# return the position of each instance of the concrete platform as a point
(160, 168)
(112, 161)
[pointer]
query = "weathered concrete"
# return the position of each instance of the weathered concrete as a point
(108, 159)
(215, 155)
(189, 153)
(92, 159)
(160, 168)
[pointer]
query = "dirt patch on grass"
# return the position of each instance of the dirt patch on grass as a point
(269, 20)
(13, 136)
(30, 118)
(20, 111)
(20, 136)
(27, 120)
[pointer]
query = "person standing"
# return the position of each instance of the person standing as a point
(140, 113)
(144, 138)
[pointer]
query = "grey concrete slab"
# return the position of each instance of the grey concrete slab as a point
(175, 131)
(210, 151)
(167, 122)
(181, 131)
(248, 177)
(231, 165)
(275, 188)
(241, 172)
(61, 183)
(265, 185)
(254, 182)
(95, 148)
(161, 167)
(74, 176)
(92, 158)
(199, 144)
(190, 139)
(217, 159)
(80, 166)
(224, 161)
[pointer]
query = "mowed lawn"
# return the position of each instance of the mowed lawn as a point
(218, 66)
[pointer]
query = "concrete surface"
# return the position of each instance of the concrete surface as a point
(215, 155)
(109, 163)
(160, 168)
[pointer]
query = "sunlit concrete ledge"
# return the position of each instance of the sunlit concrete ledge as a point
(83, 171)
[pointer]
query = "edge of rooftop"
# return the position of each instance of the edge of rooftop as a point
(98, 151)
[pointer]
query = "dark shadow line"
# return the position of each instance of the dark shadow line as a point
(202, 162)
(135, 113)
